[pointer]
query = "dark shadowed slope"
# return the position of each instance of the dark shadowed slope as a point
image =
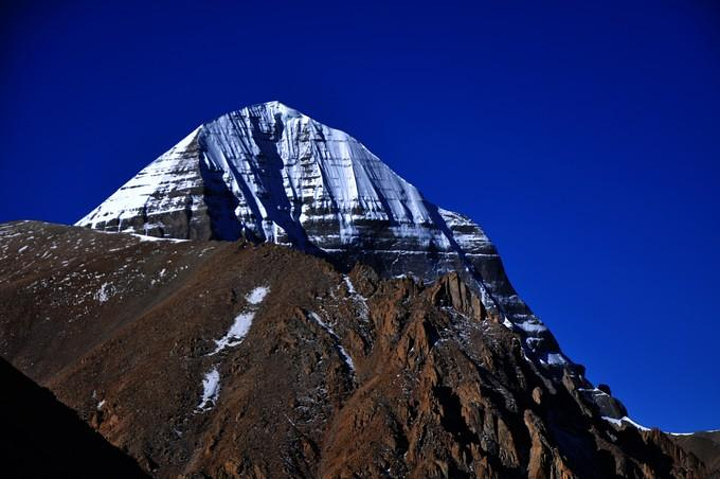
(42, 438)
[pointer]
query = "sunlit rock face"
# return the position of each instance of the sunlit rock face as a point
(249, 359)
(271, 174)
(235, 360)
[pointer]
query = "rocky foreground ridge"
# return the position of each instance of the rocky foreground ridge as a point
(269, 299)
(231, 359)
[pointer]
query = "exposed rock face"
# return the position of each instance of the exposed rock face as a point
(219, 359)
(704, 445)
(269, 173)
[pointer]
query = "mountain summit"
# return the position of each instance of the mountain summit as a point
(385, 341)
(268, 173)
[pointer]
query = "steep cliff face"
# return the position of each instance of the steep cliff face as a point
(230, 359)
(268, 173)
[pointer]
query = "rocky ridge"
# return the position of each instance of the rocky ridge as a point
(399, 348)
(268, 173)
(222, 359)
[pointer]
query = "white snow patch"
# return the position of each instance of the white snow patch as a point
(350, 287)
(619, 422)
(211, 390)
(346, 357)
(241, 326)
(639, 426)
(322, 324)
(612, 420)
(237, 332)
(105, 292)
(594, 391)
(155, 238)
(531, 327)
(358, 298)
(555, 359)
(692, 433)
(257, 295)
(23, 249)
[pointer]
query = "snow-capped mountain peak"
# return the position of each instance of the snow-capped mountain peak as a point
(269, 173)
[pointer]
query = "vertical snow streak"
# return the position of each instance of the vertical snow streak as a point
(235, 335)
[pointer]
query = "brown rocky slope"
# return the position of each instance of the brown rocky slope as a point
(706, 446)
(335, 376)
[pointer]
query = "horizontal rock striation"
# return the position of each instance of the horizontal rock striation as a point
(268, 173)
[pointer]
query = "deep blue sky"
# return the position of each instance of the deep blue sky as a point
(585, 139)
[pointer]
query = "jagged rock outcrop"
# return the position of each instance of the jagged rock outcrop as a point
(220, 359)
(705, 445)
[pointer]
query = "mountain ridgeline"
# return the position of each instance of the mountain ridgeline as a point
(268, 173)
(269, 299)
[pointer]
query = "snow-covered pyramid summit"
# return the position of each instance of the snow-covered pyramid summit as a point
(269, 173)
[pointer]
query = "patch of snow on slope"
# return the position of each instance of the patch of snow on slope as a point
(692, 433)
(612, 420)
(241, 326)
(625, 419)
(346, 357)
(554, 359)
(357, 297)
(350, 287)
(257, 295)
(322, 324)
(235, 336)
(105, 292)
(640, 427)
(236, 333)
(211, 390)
(532, 326)
(147, 238)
